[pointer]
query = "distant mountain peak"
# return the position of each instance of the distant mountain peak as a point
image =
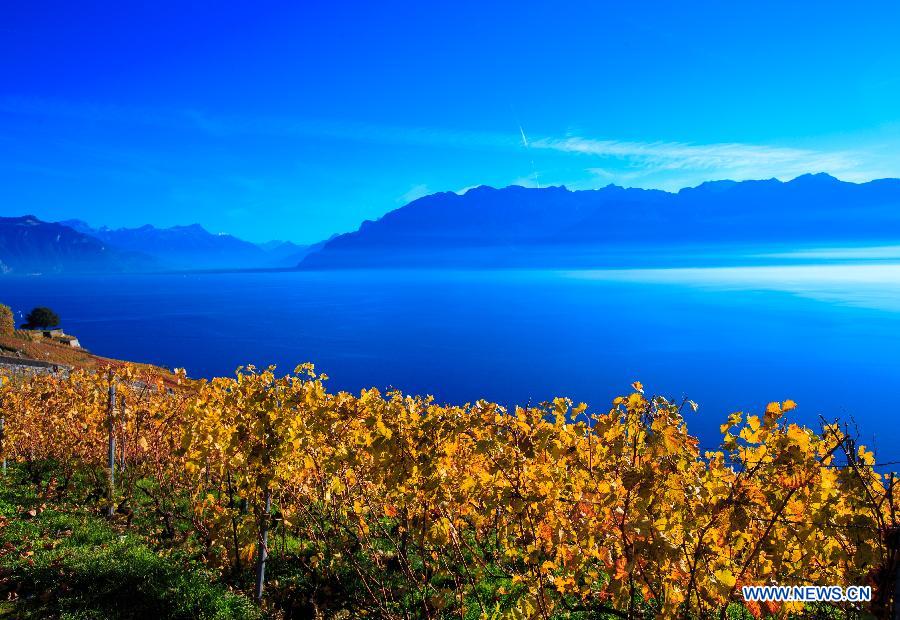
(711, 186)
(474, 190)
(191, 227)
(815, 177)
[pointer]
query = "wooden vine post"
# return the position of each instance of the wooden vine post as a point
(111, 480)
(263, 551)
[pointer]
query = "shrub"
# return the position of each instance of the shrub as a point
(7, 324)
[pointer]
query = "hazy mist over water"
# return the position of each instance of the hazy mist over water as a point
(874, 286)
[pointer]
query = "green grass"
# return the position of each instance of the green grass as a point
(71, 564)
(66, 561)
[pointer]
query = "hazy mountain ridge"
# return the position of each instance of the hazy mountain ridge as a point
(29, 245)
(288, 254)
(553, 225)
(179, 247)
(194, 247)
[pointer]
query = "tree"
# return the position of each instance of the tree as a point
(41, 317)
(7, 324)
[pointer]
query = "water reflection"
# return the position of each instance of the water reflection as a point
(874, 286)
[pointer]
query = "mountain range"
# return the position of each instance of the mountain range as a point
(488, 227)
(30, 245)
(178, 246)
(553, 226)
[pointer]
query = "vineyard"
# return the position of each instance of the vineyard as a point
(383, 505)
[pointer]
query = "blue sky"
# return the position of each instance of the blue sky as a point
(298, 120)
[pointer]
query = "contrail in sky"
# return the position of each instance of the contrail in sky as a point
(524, 138)
(528, 149)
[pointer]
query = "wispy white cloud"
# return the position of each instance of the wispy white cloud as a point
(414, 192)
(743, 159)
(577, 161)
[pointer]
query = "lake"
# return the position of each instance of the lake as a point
(825, 335)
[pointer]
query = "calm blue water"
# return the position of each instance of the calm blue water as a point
(733, 338)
